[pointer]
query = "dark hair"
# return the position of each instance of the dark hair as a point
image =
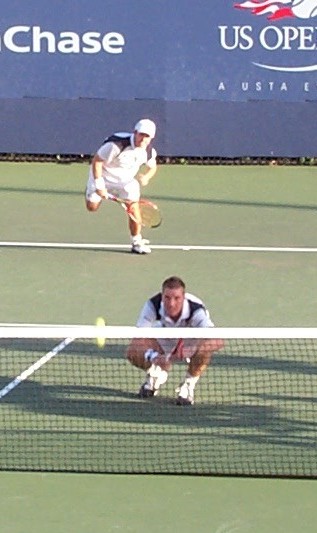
(174, 282)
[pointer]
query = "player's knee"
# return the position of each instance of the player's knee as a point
(199, 362)
(91, 206)
(196, 369)
(130, 356)
(136, 359)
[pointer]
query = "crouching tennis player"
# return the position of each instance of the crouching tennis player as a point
(173, 307)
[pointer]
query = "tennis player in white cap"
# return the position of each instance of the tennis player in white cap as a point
(116, 169)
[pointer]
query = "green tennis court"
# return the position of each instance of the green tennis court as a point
(272, 207)
(243, 238)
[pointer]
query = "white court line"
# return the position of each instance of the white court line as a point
(35, 366)
(184, 247)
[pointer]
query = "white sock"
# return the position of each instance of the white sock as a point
(191, 380)
(188, 386)
(157, 376)
(136, 239)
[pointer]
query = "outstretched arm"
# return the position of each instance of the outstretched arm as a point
(146, 176)
(96, 166)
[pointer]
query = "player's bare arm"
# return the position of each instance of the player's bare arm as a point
(97, 163)
(147, 175)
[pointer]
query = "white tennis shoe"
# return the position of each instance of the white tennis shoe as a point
(185, 394)
(155, 377)
(140, 248)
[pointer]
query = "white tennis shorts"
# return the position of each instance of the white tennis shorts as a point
(126, 191)
(189, 348)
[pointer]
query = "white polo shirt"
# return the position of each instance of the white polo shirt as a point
(199, 319)
(121, 166)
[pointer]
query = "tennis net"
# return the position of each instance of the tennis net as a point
(68, 406)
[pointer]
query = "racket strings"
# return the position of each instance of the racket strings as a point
(151, 216)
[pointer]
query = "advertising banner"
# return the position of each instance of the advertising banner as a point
(174, 52)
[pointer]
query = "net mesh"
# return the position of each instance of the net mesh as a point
(255, 411)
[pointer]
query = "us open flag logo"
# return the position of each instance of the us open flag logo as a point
(302, 9)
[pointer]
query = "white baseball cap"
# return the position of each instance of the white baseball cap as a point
(147, 126)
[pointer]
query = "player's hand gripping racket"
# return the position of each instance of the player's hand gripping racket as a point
(165, 361)
(177, 353)
(150, 213)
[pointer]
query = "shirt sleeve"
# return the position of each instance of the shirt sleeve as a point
(108, 151)
(201, 319)
(147, 316)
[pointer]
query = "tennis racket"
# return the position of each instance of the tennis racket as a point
(177, 353)
(165, 360)
(150, 213)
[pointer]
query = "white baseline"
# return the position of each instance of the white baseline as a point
(184, 247)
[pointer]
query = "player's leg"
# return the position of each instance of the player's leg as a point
(93, 204)
(198, 362)
(139, 352)
(131, 193)
(148, 355)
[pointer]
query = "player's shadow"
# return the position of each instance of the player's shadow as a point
(173, 199)
(94, 407)
(46, 192)
(79, 348)
(226, 360)
(264, 363)
(242, 203)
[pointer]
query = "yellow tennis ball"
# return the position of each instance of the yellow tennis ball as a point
(100, 340)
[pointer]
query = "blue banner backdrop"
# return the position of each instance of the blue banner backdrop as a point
(239, 77)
